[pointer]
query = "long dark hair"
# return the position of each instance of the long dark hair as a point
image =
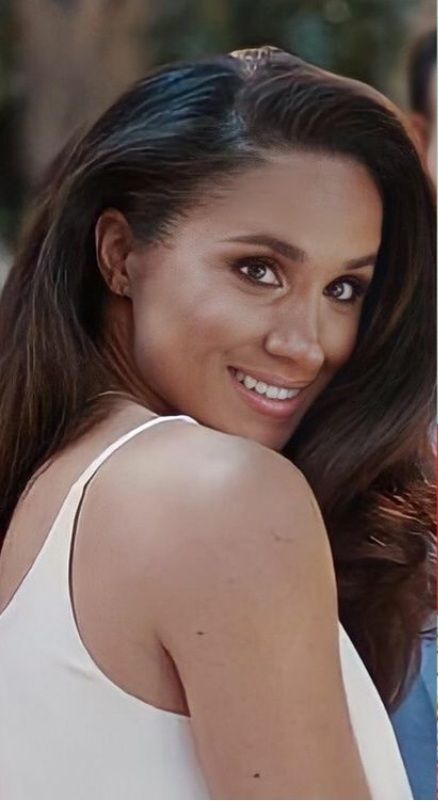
(365, 444)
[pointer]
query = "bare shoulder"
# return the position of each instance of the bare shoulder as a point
(240, 586)
(209, 478)
(222, 542)
(209, 510)
(204, 511)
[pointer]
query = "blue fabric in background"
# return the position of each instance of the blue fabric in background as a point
(415, 725)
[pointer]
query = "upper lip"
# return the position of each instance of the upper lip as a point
(270, 378)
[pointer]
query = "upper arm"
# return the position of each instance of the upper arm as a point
(248, 612)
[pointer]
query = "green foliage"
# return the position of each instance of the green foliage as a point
(360, 38)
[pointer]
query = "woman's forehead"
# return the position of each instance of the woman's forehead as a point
(298, 190)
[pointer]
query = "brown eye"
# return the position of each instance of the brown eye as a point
(258, 271)
(345, 291)
(342, 291)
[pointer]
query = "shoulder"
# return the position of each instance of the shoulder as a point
(240, 558)
(202, 508)
(193, 468)
(220, 508)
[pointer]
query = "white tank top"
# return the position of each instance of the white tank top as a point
(67, 731)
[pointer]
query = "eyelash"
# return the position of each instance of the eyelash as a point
(358, 285)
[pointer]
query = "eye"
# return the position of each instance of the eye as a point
(258, 271)
(346, 290)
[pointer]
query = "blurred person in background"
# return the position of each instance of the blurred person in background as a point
(242, 248)
(422, 87)
(415, 720)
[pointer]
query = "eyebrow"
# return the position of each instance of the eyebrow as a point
(295, 253)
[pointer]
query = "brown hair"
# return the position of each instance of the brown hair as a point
(364, 445)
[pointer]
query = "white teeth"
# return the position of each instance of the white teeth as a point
(278, 393)
(249, 382)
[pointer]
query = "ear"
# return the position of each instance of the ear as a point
(114, 242)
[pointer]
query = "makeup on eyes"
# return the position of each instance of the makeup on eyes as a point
(359, 285)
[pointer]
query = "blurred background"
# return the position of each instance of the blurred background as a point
(63, 61)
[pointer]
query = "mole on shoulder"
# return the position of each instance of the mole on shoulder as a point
(256, 775)
(200, 633)
(281, 537)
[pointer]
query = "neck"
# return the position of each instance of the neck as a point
(116, 348)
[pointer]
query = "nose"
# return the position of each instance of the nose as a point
(294, 336)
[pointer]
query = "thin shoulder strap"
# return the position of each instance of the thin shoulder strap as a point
(89, 472)
(51, 568)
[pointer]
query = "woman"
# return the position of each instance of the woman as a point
(241, 248)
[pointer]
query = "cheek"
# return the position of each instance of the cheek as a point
(339, 340)
(213, 319)
(182, 324)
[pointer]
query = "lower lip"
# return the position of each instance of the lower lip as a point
(280, 410)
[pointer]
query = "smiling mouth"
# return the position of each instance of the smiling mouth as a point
(272, 391)
(268, 399)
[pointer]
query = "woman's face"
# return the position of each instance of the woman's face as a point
(257, 295)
